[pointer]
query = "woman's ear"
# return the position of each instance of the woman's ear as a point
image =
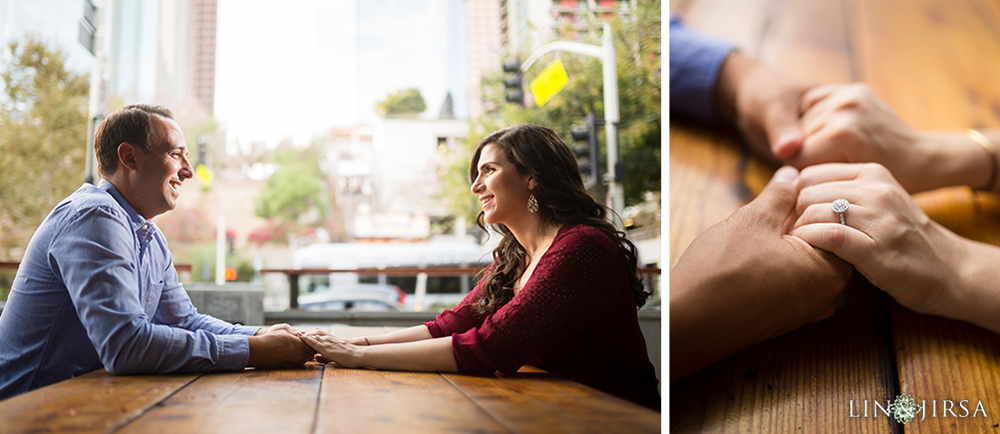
(532, 185)
(126, 155)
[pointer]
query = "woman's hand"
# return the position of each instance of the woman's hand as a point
(887, 237)
(333, 349)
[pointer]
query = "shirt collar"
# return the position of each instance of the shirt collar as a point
(139, 224)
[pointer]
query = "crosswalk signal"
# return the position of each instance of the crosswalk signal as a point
(513, 81)
(586, 154)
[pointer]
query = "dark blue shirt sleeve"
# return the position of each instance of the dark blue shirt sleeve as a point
(695, 61)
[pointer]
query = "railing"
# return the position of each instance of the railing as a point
(294, 273)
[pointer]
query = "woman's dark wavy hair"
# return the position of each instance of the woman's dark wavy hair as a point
(562, 198)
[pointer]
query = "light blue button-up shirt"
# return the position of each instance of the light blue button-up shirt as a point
(97, 288)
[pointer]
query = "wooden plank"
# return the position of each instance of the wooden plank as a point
(251, 401)
(950, 51)
(802, 381)
(533, 401)
(97, 402)
(941, 359)
(705, 181)
(369, 401)
(744, 22)
(811, 40)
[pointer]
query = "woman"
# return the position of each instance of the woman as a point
(561, 293)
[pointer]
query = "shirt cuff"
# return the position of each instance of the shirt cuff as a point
(695, 62)
(244, 330)
(436, 330)
(234, 352)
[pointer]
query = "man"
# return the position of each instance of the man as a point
(97, 286)
(745, 279)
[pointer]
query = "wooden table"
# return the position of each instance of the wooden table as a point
(937, 63)
(322, 399)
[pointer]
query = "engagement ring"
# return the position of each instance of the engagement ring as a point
(840, 206)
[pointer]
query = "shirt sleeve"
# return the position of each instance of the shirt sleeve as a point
(566, 293)
(176, 310)
(95, 257)
(695, 61)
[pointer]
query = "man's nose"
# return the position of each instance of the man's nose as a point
(186, 170)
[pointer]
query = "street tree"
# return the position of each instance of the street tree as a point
(296, 196)
(43, 135)
(637, 35)
(406, 101)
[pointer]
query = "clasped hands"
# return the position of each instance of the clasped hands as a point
(780, 262)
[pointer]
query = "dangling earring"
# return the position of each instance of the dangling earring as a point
(532, 204)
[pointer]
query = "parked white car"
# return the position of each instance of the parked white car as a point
(356, 297)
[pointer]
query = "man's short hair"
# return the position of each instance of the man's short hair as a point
(132, 124)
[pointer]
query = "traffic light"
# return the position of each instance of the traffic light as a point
(202, 151)
(587, 154)
(512, 82)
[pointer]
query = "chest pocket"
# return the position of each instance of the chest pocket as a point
(151, 297)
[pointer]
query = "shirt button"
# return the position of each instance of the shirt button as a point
(145, 226)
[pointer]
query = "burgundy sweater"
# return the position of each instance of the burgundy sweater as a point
(575, 317)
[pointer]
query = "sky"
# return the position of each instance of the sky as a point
(295, 68)
(54, 20)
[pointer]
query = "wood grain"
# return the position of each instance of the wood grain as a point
(369, 401)
(941, 359)
(802, 381)
(935, 62)
(522, 404)
(950, 51)
(97, 402)
(257, 400)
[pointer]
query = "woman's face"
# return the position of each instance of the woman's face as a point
(502, 191)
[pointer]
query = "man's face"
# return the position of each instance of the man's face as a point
(162, 171)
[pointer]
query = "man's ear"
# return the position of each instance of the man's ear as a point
(126, 155)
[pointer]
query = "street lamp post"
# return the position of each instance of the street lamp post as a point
(92, 32)
(606, 52)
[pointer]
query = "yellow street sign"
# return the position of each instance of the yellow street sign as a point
(204, 175)
(547, 84)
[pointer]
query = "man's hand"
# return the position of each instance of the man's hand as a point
(764, 104)
(275, 328)
(744, 281)
(278, 347)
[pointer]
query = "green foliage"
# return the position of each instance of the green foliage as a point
(637, 46)
(406, 101)
(295, 195)
(6, 280)
(202, 256)
(43, 129)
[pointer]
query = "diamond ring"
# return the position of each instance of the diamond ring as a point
(840, 206)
